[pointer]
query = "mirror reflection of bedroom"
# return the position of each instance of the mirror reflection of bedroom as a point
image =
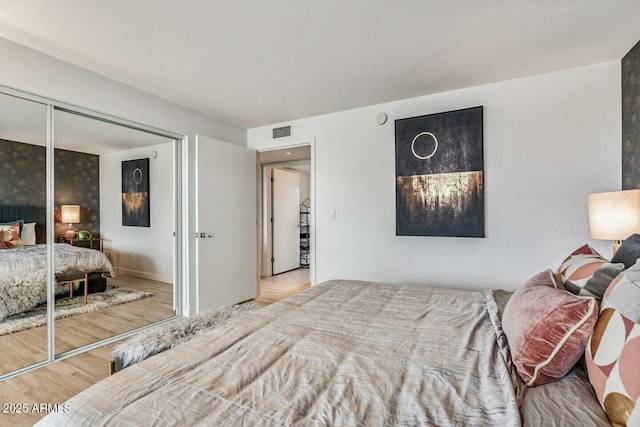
(106, 216)
(112, 198)
(23, 190)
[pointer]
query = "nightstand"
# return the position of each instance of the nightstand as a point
(86, 243)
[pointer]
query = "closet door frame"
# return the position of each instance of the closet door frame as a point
(179, 215)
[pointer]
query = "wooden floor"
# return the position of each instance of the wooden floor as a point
(25, 348)
(59, 381)
(278, 287)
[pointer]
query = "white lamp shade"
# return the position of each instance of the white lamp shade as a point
(614, 215)
(70, 214)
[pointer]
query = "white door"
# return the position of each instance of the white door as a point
(285, 211)
(225, 224)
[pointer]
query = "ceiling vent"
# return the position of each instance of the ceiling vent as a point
(282, 132)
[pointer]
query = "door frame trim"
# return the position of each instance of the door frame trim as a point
(311, 142)
(267, 198)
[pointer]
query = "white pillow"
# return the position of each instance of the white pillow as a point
(28, 235)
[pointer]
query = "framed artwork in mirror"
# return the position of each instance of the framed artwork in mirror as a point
(135, 193)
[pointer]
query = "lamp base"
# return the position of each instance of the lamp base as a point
(70, 234)
(616, 245)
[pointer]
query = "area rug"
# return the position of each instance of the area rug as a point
(32, 319)
(168, 335)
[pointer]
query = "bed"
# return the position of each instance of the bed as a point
(23, 281)
(23, 278)
(342, 353)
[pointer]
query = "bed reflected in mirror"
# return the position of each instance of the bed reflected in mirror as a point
(114, 213)
(23, 258)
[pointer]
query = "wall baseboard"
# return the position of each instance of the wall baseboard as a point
(142, 275)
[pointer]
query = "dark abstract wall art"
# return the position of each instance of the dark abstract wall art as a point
(135, 193)
(439, 174)
(631, 119)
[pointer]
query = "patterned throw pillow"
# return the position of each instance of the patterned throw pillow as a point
(17, 221)
(14, 240)
(613, 352)
(547, 329)
(586, 272)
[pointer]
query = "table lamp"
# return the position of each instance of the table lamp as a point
(614, 215)
(70, 214)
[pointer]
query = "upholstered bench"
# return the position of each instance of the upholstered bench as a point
(168, 335)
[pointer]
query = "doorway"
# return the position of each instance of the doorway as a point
(285, 216)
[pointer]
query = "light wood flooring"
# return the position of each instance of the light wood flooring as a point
(280, 286)
(61, 380)
(27, 347)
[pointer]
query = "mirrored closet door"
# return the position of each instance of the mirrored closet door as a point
(89, 228)
(114, 204)
(23, 236)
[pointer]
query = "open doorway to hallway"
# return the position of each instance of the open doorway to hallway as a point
(285, 220)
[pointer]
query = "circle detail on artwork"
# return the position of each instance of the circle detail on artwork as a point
(137, 176)
(435, 148)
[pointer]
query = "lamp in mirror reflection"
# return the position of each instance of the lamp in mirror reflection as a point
(614, 215)
(70, 214)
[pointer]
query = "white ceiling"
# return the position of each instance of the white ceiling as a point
(284, 155)
(253, 63)
(26, 121)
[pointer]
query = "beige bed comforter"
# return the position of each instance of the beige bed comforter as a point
(340, 353)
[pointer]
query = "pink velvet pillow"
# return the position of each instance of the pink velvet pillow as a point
(547, 329)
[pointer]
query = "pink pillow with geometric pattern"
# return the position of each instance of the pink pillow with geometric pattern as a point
(586, 272)
(10, 235)
(613, 352)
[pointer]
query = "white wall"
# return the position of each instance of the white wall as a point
(139, 251)
(549, 140)
(31, 71)
(305, 186)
